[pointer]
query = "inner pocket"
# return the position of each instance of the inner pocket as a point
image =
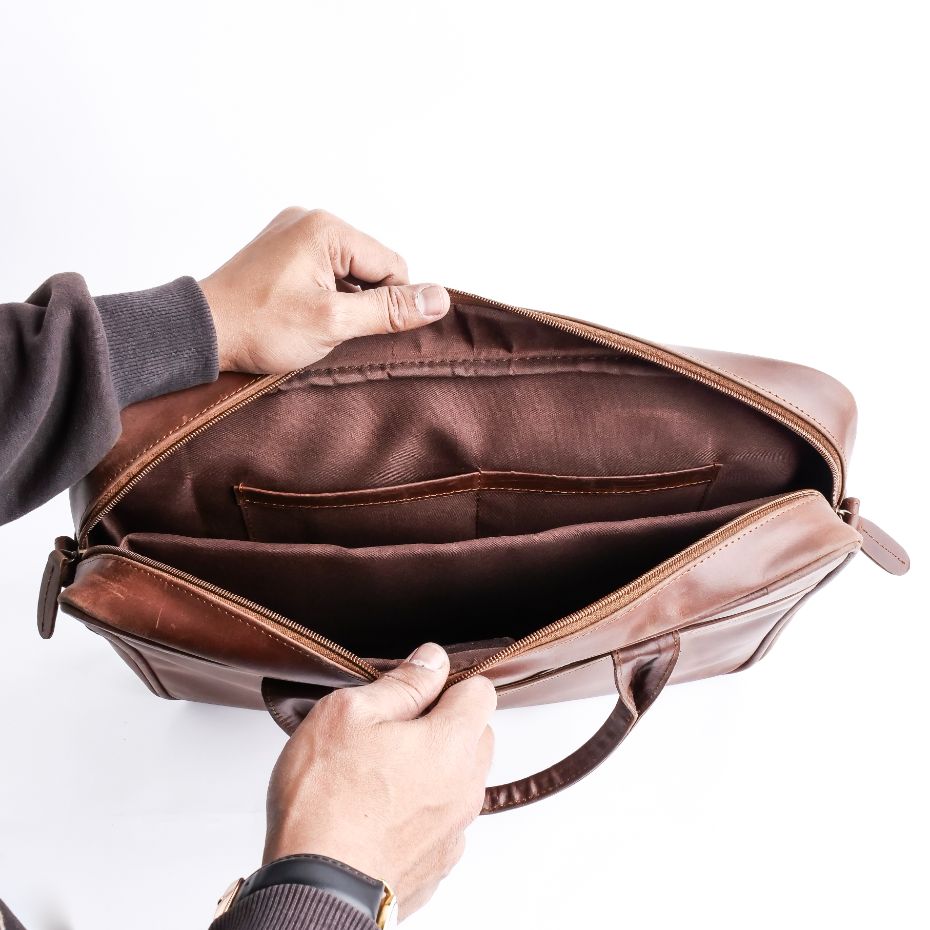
(466, 506)
(382, 601)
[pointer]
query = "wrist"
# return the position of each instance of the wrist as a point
(225, 334)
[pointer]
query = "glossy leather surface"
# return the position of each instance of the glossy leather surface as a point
(708, 613)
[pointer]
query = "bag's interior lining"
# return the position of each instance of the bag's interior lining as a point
(382, 601)
(480, 392)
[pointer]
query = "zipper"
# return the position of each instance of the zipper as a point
(290, 628)
(555, 630)
(695, 372)
(608, 340)
(99, 514)
(629, 592)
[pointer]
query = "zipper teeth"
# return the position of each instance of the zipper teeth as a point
(616, 599)
(292, 626)
(694, 373)
(136, 478)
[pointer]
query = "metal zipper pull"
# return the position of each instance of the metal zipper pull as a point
(59, 573)
(885, 552)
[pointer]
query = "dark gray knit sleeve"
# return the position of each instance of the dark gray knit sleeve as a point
(70, 363)
(159, 340)
(293, 907)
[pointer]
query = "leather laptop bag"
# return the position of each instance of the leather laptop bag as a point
(569, 510)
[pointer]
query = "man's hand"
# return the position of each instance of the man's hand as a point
(368, 781)
(291, 295)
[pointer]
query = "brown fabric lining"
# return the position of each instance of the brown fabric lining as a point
(381, 601)
(481, 392)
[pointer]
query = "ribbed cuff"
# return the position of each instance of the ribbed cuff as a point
(159, 340)
(293, 907)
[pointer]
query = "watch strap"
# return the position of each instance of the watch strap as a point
(329, 875)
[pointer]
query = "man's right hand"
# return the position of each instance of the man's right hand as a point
(371, 780)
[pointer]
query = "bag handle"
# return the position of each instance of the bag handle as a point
(640, 674)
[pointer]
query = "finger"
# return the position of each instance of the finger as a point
(405, 692)
(467, 705)
(388, 309)
(354, 253)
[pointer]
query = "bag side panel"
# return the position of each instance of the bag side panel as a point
(781, 553)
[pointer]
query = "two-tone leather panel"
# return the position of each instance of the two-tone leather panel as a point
(177, 676)
(824, 403)
(127, 597)
(821, 400)
(150, 426)
(804, 537)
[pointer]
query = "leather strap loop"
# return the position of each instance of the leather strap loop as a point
(640, 673)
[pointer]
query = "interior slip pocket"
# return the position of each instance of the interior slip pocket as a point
(466, 506)
(383, 601)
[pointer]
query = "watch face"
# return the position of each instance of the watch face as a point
(391, 922)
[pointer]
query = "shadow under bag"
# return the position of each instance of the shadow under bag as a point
(569, 510)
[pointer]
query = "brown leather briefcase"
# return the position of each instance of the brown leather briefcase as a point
(571, 511)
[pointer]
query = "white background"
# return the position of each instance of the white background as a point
(740, 175)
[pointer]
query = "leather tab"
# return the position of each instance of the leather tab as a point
(59, 572)
(885, 552)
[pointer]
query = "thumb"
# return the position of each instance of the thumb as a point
(405, 692)
(388, 309)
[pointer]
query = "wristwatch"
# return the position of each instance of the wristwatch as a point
(370, 895)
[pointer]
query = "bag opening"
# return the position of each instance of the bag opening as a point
(382, 601)
(474, 479)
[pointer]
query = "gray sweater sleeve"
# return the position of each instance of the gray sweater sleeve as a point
(70, 362)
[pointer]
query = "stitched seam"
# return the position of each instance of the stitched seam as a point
(478, 502)
(890, 552)
(536, 794)
(198, 597)
(386, 366)
(422, 497)
(617, 659)
(249, 530)
(770, 393)
(470, 360)
(279, 718)
(581, 634)
(174, 429)
(583, 665)
(545, 678)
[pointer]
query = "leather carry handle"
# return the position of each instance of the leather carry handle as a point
(640, 674)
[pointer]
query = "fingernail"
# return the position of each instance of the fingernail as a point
(432, 301)
(428, 656)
